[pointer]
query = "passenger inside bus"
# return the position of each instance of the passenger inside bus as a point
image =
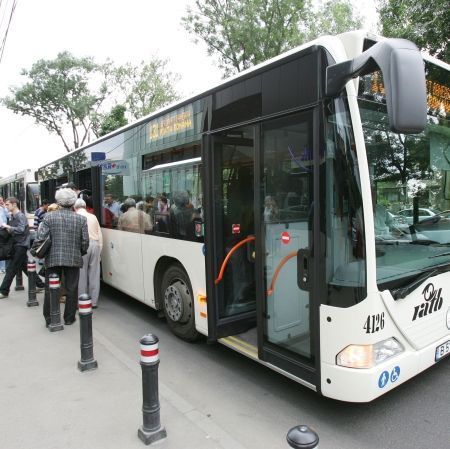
(134, 220)
(181, 216)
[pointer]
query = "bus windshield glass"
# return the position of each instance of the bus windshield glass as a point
(410, 182)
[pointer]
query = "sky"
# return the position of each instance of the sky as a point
(122, 30)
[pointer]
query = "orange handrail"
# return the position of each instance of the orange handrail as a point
(227, 258)
(277, 271)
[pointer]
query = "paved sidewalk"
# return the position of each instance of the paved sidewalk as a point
(46, 402)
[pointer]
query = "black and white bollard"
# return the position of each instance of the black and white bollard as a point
(55, 315)
(87, 361)
(302, 437)
(151, 430)
(31, 270)
(19, 280)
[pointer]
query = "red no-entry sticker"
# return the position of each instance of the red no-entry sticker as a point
(236, 228)
(285, 237)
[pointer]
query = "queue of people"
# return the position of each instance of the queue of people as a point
(74, 253)
(76, 237)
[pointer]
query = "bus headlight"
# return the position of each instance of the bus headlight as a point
(367, 356)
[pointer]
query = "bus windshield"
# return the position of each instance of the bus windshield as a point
(410, 182)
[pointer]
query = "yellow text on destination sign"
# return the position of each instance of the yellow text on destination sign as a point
(171, 124)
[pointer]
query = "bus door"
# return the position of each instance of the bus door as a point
(285, 225)
(230, 244)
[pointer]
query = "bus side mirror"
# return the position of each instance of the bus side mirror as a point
(404, 81)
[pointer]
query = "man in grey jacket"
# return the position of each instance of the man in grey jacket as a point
(18, 228)
(70, 241)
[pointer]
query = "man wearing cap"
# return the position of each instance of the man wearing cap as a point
(70, 242)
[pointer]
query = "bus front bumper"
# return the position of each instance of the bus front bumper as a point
(365, 385)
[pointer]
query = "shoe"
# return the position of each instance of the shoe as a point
(95, 307)
(68, 323)
(3, 296)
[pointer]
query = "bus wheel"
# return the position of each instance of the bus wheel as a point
(178, 303)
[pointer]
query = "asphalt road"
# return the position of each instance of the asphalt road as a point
(257, 406)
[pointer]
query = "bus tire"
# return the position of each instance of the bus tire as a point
(178, 303)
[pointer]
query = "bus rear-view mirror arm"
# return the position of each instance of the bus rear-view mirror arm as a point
(403, 72)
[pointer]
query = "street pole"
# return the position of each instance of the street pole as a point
(151, 430)
(31, 270)
(87, 361)
(55, 315)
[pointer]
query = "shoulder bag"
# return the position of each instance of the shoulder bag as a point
(41, 248)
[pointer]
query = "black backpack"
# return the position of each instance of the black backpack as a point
(6, 245)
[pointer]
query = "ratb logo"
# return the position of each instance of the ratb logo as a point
(433, 302)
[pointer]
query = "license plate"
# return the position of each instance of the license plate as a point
(442, 351)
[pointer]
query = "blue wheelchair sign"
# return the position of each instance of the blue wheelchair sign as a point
(395, 374)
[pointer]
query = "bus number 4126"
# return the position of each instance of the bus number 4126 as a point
(374, 323)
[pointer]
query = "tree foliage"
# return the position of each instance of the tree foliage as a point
(243, 34)
(61, 96)
(107, 123)
(425, 22)
(69, 95)
(146, 87)
(332, 17)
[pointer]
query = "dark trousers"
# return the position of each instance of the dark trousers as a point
(17, 263)
(71, 277)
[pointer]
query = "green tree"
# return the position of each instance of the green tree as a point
(425, 22)
(332, 17)
(245, 33)
(146, 87)
(106, 123)
(61, 95)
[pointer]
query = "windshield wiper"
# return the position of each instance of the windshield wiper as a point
(439, 255)
(400, 293)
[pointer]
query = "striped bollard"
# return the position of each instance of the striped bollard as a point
(87, 361)
(302, 437)
(55, 315)
(31, 270)
(151, 430)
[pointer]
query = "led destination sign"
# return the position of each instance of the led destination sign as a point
(438, 95)
(170, 124)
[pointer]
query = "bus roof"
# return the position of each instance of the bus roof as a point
(342, 47)
(27, 174)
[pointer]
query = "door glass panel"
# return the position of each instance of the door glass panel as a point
(287, 190)
(234, 219)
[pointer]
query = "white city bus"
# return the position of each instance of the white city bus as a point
(267, 213)
(25, 188)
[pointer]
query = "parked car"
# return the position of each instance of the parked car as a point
(424, 213)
